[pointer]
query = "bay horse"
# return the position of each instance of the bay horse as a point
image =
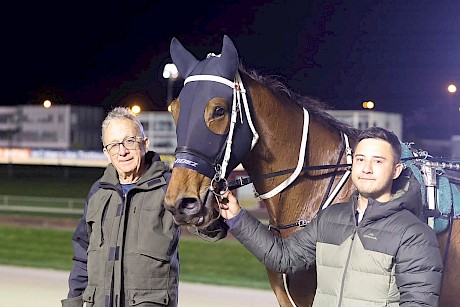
(225, 116)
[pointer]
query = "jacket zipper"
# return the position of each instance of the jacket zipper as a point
(346, 267)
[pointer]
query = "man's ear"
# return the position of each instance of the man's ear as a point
(146, 144)
(397, 170)
(106, 154)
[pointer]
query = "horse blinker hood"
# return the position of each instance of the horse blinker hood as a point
(198, 147)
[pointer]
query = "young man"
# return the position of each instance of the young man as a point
(370, 251)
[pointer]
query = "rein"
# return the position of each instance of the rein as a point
(242, 181)
(304, 222)
(330, 197)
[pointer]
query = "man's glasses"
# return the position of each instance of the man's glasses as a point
(129, 143)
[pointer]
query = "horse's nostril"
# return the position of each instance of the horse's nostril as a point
(189, 205)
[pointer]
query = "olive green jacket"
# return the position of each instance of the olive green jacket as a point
(126, 246)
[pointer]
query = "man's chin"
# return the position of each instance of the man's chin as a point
(367, 193)
(125, 171)
(365, 189)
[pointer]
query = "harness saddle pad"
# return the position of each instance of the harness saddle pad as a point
(448, 196)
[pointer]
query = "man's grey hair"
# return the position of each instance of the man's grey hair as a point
(120, 113)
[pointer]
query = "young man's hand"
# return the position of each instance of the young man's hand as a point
(229, 206)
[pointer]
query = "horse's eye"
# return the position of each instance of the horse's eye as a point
(218, 111)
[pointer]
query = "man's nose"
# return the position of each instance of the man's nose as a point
(122, 150)
(367, 168)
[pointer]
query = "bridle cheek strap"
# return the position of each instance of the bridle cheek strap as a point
(239, 95)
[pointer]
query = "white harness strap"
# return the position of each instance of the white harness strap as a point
(210, 78)
(344, 177)
(238, 92)
(300, 162)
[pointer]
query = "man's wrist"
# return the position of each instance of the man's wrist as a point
(238, 212)
(233, 221)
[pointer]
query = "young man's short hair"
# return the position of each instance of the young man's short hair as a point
(385, 135)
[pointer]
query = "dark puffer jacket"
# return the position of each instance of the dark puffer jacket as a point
(390, 259)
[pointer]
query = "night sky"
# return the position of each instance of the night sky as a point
(400, 54)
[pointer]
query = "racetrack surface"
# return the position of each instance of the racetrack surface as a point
(30, 287)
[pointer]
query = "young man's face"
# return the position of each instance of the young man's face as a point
(374, 169)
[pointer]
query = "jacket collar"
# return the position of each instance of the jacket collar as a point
(407, 196)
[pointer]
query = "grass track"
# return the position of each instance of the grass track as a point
(222, 263)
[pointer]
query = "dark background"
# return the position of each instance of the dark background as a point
(400, 54)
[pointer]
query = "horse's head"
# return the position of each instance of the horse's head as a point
(203, 114)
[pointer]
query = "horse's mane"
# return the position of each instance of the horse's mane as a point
(314, 106)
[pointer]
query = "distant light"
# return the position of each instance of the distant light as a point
(136, 109)
(452, 88)
(368, 104)
(47, 103)
(170, 108)
(170, 71)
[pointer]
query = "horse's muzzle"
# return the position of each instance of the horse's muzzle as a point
(192, 211)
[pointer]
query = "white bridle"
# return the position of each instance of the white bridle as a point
(239, 95)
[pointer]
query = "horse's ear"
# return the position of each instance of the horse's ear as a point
(228, 64)
(182, 58)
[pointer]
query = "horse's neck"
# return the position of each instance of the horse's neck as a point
(280, 129)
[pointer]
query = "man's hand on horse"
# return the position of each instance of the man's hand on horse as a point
(229, 206)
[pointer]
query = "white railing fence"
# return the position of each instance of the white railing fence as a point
(41, 204)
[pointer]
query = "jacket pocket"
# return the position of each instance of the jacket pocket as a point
(95, 222)
(157, 233)
(73, 302)
(148, 298)
(88, 295)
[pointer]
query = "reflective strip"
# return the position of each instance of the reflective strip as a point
(108, 302)
(114, 253)
(154, 181)
(120, 209)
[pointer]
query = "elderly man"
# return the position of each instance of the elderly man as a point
(126, 244)
(370, 251)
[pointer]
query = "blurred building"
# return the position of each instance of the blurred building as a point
(57, 127)
(440, 148)
(74, 127)
(160, 128)
(363, 119)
